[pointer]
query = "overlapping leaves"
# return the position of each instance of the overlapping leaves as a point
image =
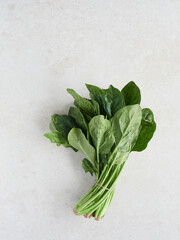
(111, 123)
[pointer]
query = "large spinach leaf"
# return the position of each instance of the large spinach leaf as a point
(126, 127)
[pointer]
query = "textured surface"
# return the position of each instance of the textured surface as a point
(48, 46)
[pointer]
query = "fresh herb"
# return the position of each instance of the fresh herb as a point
(106, 128)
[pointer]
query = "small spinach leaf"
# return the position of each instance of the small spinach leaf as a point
(96, 107)
(131, 93)
(113, 100)
(83, 103)
(101, 133)
(88, 166)
(95, 94)
(78, 117)
(57, 137)
(148, 127)
(77, 139)
(62, 124)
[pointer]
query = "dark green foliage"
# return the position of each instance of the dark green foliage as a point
(131, 93)
(110, 100)
(148, 127)
(88, 166)
(62, 124)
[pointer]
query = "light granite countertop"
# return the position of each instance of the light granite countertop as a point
(47, 46)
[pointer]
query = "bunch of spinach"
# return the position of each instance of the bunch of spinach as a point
(106, 128)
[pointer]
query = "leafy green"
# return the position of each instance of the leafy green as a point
(120, 157)
(78, 117)
(57, 137)
(83, 103)
(131, 93)
(88, 166)
(126, 127)
(96, 95)
(113, 100)
(110, 100)
(96, 107)
(148, 127)
(62, 124)
(101, 133)
(77, 139)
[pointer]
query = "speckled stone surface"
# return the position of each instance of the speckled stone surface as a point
(48, 46)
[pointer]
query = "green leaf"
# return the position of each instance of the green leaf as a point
(96, 107)
(83, 103)
(110, 100)
(62, 124)
(88, 118)
(78, 117)
(87, 166)
(126, 127)
(101, 133)
(57, 137)
(77, 139)
(121, 157)
(148, 127)
(131, 93)
(113, 100)
(95, 93)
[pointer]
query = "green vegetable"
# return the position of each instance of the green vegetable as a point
(126, 127)
(77, 139)
(88, 166)
(148, 127)
(131, 93)
(110, 100)
(102, 136)
(83, 103)
(106, 129)
(57, 137)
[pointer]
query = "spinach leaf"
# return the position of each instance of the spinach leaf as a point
(113, 100)
(78, 117)
(95, 94)
(126, 127)
(131, 93)
(101, 133)
(77, 139)
(62, 124)
(120, 157)
(96, 107)
(148, 127)
(88, 118)
(57, 137)
(110, 100)
(83, 103)
(88, 166)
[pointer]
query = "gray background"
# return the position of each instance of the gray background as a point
(48, 46)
